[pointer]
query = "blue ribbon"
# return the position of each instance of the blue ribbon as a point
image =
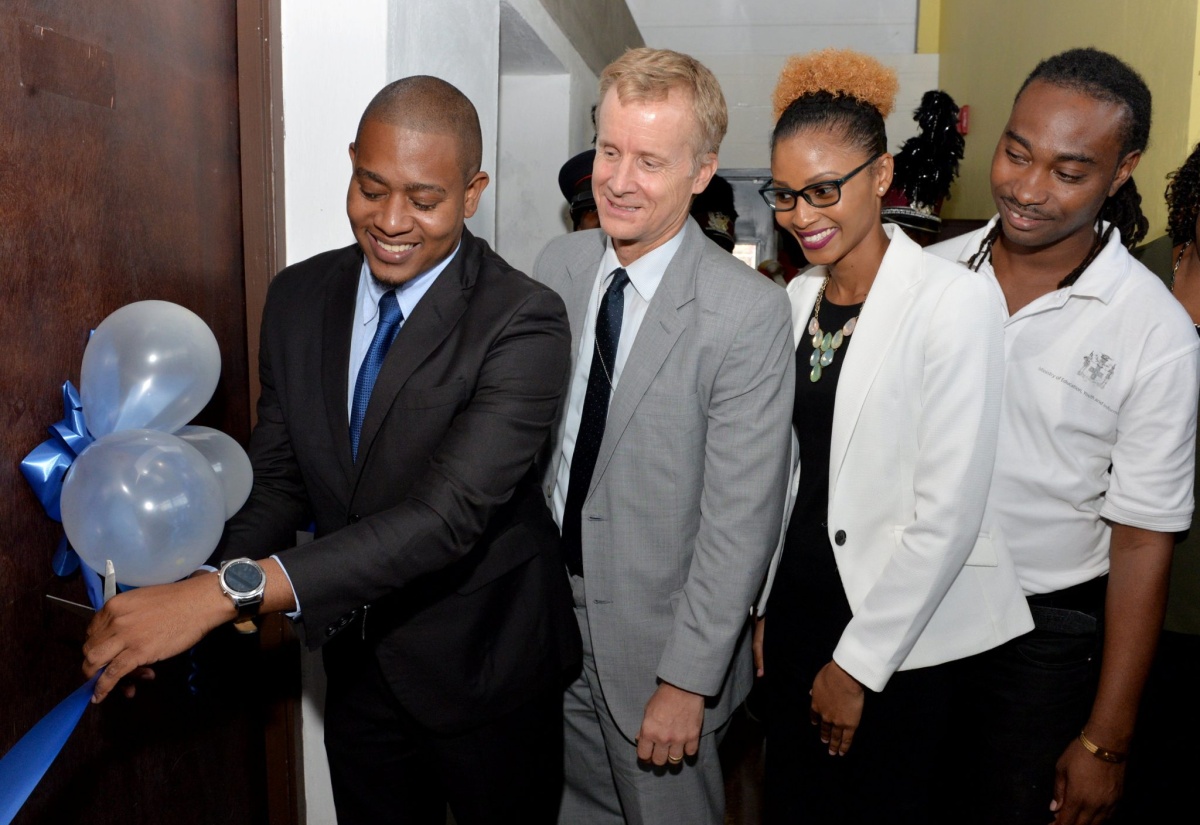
(24, 766)
(65, 561)
(45, 467)
(94, 585)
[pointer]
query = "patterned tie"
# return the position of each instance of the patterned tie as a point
(390, 318)
(595, 414)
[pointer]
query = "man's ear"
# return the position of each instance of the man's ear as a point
(353, 155)
(475, 188)
(708, 168)
(1124, 171)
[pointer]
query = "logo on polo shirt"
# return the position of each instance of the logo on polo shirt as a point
(1097, 368)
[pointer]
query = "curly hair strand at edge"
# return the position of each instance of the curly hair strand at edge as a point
(1183, 199)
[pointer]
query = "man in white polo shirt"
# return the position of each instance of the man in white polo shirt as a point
(1094, 468)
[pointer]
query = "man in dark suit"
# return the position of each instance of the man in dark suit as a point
(408, 383)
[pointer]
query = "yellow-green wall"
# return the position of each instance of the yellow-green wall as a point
(929, 24)
(987, 48)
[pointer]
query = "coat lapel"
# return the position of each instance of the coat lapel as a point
(660, 329)
(581, 269)
(340, 296)
(883, 315)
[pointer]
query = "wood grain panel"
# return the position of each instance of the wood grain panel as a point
(102, 205)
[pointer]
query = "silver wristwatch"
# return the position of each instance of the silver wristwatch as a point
(243, 581)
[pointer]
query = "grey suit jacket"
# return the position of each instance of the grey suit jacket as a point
(682, 514)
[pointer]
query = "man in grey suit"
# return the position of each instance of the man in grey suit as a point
(670, 456)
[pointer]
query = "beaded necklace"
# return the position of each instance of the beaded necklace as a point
(826, 344)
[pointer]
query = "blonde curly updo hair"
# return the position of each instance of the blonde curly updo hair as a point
(838, 72)
(841, 90)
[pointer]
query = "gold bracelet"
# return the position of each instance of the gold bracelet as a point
(1101, 753)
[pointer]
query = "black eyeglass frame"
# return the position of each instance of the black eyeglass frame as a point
(768, 191)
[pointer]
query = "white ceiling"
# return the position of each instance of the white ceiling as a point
(707, 27)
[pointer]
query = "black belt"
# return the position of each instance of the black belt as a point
(1077, 610)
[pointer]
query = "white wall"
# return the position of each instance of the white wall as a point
(458, 41)
(546, 95)
(334, 59)
(583, 81)
(533, 143)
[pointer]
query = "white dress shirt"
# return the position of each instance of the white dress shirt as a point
(366, 321)
(645, 274)
(366, 313)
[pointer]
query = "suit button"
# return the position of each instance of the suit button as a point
(839, 537)
(355, 518)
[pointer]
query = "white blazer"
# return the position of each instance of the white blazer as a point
(911, 453)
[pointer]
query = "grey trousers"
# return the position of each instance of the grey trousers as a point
(605, 783)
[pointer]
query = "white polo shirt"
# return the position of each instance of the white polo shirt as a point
(1098, 420)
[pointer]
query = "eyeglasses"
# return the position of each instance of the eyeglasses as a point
(823, 194)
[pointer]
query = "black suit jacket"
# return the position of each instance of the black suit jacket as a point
(438, 539)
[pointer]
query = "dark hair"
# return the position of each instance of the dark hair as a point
(1183, 199)
(1102, 76)
(858, 122)
(430, 104)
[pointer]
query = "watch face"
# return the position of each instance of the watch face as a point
(241, 577)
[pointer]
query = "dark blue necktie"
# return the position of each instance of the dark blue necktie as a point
(595, 415)
(390, 318)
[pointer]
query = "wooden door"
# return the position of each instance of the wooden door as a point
(119, 181)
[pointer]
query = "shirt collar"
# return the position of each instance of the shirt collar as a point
(646, 273)
(1100, 280)
(407, 294)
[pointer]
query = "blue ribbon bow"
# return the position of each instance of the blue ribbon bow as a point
(46, 466)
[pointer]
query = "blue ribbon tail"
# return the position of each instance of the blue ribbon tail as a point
(66, 560)
(24, 766)
(94, 585)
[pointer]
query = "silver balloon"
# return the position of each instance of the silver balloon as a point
(150, 364)
(147, 500)
(228, 460)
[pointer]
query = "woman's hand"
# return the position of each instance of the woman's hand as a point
(837, 704)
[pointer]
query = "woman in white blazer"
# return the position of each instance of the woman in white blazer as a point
(883, 577)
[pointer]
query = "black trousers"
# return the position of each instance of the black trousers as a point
(889, 774)
(1021, 705)
(387, 768)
